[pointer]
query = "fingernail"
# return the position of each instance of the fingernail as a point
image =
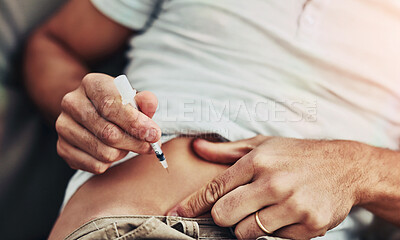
(173, 213)
(202, 140)
(151, 135)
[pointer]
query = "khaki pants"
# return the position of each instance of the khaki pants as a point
(151, 227)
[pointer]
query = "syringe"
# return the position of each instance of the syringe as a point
(128, 97)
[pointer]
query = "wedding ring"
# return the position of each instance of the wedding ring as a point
(261, 225)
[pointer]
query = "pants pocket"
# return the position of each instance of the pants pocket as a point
(150, 228)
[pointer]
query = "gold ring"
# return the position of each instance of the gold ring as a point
(261, 225)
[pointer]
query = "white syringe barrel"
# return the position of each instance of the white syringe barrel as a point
(125, 90)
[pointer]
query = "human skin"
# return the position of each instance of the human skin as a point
(96, 129)
(138, 186)
(57, 59)
(302, 188)
(60, 52)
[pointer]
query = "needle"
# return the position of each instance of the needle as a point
(128, 97)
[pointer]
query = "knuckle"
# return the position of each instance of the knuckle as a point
(68, 101)
(110, 155)
(216, 216)
(110, 134)
(99, 168)
(72, 164)
(60, 150)
(322, 233)
(213, 191)
(258, 139)
(60, 124)
(239, 232)
(204, 200)
(317, 222)
(143, 147)
(258, 160)
(108, 107)
(296, 206)
(301, 209)
(114, 154)
(274, 189)
(88, 79)
(136, 126)
(188, 210)
(219, 218)
(280, 187)
(91, 143)
(63, 153)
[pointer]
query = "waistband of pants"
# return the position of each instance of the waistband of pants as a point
(150, 227)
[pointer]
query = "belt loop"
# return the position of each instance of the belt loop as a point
(189, 228)
(193, 229)
(116, 229)
(171, 220)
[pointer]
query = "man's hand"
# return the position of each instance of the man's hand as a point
(302, 188)
(95, 129)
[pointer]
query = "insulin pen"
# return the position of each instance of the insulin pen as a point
(128, 97)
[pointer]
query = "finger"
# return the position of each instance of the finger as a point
(147, 103)
(226, 152)
(200, 202)
(104, 95)
(78, 159)
(78, 106)
(81, 138)
(272, 218)
(242, 201)
(299, 231)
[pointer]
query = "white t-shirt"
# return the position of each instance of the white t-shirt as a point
(325, 69)
(297, 68)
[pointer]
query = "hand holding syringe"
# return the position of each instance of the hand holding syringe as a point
(95, 129)
(128, 97)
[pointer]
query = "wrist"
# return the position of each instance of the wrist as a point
(365, 173)
(374, 168)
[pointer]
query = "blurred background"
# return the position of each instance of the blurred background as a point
(32, 176)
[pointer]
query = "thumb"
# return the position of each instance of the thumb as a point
(203, 200)
(147, 103)
(225, 152)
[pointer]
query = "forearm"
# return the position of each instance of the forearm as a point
(381, 188)
(51, 71)
(57, 54)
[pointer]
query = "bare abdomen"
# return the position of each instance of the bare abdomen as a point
(138, 186)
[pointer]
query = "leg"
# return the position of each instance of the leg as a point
(138, 186)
